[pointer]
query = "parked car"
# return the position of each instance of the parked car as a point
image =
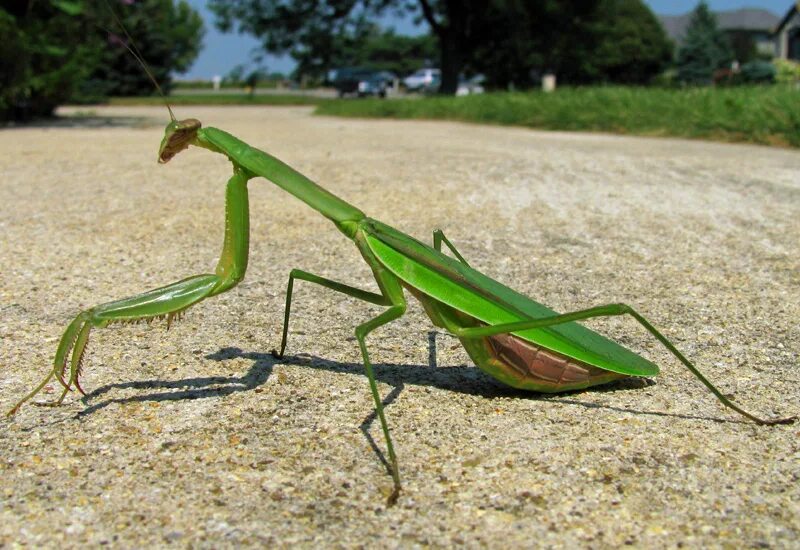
(421, 79)
(362, 82)
(431, 87)
(376, 84)
(472, 85)
(466, 86)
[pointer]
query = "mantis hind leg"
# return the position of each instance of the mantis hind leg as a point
(439, 237)
(610, 310)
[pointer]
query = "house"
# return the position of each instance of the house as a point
(750, 25)
(787, 35)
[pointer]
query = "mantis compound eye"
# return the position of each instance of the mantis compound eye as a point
(177, 137)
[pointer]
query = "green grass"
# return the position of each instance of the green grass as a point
(766, 115)
(759, 114)
(221, 99)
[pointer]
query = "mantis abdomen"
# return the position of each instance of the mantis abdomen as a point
(514, 361)
(543, 370)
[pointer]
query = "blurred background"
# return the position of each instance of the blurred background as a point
(598, 56)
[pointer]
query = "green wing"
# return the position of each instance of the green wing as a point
(475, 294)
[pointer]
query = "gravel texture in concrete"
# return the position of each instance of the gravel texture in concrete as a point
(197, 437)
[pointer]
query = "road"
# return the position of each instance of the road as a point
(198, 437)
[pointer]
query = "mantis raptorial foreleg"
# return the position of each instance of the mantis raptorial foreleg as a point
(166, 302)
(439, 237)
(610, 310)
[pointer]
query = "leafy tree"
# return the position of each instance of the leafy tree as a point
(313, 31)
(399, 54)
(236, 75)
(384, 50)
(251, 82)
(743, 46)
(168, 35)
(632, 46)
(459, 26)
(705, 48)
(52, 51)
(525, 39)
(44, 54)
(580, 41)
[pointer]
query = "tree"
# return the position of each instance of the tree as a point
(704, 48)
(526, 39)
(459, 26)
(168, 36)
(236, 75)
(743, 45)
(311, 31)
(55, 50)
(384, 50)
(632, 46)
(580, 41)
(44, 54)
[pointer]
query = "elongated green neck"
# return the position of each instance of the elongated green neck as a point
(259, 163)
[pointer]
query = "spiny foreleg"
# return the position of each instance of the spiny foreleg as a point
(168, 302)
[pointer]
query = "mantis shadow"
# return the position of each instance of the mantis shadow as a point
(189, 388)
(461, 379)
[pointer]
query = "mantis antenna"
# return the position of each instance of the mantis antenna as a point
(134, 51)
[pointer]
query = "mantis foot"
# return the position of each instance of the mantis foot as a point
(392, 500)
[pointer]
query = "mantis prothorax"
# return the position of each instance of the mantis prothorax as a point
(509, 336)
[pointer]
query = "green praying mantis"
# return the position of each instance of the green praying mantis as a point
(514, 339)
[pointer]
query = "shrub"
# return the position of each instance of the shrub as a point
(758, 72)
(787, 72)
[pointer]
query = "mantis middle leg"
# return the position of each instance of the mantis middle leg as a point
(364, 295)
(610, 310)
(392, 296)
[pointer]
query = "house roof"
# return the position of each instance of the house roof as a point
(788, 16)
(748, 19)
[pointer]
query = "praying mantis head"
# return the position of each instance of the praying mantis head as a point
(178, 135)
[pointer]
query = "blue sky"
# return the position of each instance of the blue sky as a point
(223, 51)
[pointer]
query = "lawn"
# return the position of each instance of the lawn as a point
(758, 114)
(767, 115)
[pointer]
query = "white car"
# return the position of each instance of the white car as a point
(421, 79)
(469, 86)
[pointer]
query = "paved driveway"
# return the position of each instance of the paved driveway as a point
(197, 436)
